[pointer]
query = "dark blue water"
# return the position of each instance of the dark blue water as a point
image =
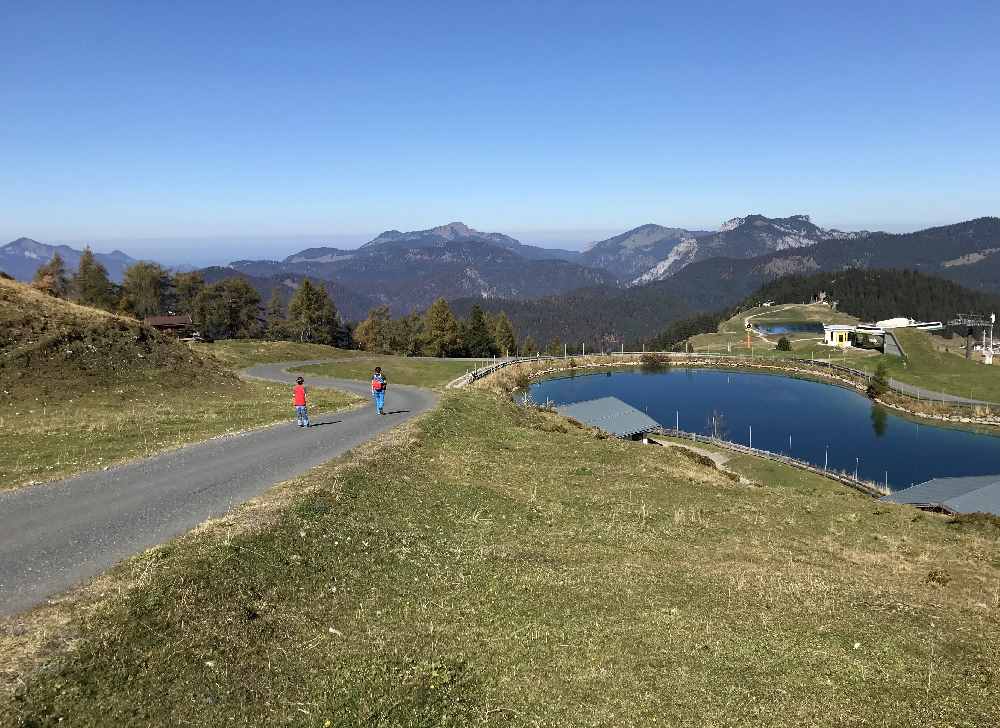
(796, 327)
(816, 416)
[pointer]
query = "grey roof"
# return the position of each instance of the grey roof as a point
(611, 415)
(978, 493)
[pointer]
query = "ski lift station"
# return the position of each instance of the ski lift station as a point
(844, 336)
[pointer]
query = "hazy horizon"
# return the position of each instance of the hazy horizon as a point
(223, 249)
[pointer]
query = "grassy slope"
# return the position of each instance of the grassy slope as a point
(82, 388)
(399, 369)
(498, 570)
(52, 438)
(940, 371)
(242, 353)
(732, 336)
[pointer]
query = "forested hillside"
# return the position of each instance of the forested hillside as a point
(879, 294)
(603, 318)
(868, 294)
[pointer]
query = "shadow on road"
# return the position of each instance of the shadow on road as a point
(320, 424)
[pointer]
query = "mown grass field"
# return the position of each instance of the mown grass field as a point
(51, 437)
(418, 371)
(496, 566)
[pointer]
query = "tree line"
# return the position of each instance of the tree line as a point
(232, 308)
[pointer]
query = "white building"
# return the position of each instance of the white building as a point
(839, 335)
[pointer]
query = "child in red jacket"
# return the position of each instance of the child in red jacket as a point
(301, 411)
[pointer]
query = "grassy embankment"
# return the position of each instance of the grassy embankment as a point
(82, 389)
(418, 371)
(497, 566)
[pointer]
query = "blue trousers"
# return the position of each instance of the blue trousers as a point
(302, 415)
(379, 397)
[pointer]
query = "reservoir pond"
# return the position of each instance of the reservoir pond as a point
(807, 420)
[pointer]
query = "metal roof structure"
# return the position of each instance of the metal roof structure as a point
(611, 415)
(974, 494)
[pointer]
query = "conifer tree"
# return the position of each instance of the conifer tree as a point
(478, 339)
(441, 332)
(374, 333)
(312, 315)
(91, 285)
(228, 309)
(187, 286)
(277, 325)
(503, 335)
(51, 278)
(145, 289)
(529, 347)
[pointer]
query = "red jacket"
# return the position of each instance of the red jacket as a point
(300, 395)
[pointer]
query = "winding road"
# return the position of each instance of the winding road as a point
(56, 535)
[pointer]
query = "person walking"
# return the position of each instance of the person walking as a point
(301, 409)
(379, 385)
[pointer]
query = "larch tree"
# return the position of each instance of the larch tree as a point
(504, 336)
(187, 286)
(441, 331)
(375, 332)
(51, 278)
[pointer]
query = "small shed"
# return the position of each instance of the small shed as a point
(839, 335)
(180, 324)
(611, 415)
(972, 494)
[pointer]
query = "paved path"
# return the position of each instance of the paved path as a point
(56, 535)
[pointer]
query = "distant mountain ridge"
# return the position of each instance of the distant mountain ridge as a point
(744, 237)
(635, 251)
(22, 257)
(407, 271)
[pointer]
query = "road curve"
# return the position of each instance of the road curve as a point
(56, 535)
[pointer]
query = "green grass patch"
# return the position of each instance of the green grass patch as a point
(242, 353)
(421, 372)
(928, 366)
(48, 436)
(501, 568)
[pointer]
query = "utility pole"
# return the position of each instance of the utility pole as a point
(856, 461)
(826, 458)
(584, 349)
(677, 426)
(751, 437)
(564, 351)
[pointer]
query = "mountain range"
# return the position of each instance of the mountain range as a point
(627, 286)
(22, 257)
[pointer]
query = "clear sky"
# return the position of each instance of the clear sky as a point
(251, 126)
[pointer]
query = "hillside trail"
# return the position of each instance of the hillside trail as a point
(58, 534)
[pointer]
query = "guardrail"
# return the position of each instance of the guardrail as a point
(865, 486)
(477, 374)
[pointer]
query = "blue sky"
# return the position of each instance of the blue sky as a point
(210, 130)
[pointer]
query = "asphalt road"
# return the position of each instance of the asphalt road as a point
(56, 535)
